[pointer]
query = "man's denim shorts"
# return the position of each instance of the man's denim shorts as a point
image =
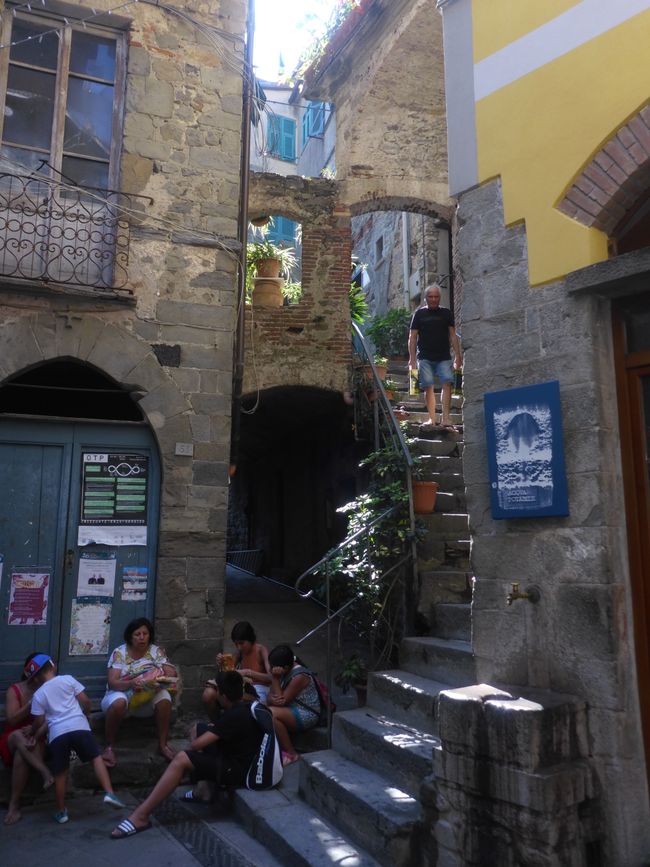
(429, 370)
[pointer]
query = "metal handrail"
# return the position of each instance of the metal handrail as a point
(396, 436)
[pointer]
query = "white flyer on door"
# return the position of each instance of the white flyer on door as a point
(96, 574)
(116, 535)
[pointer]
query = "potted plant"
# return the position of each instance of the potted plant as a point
(381, 366)
(390, 387)
(390, 331)
(353, 673)
(266, 266)
(425, 491)
(269, 260)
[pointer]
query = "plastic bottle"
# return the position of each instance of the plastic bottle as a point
(413, 382)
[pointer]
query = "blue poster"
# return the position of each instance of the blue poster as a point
(525, 452)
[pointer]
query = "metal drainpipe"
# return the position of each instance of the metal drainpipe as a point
(242, 235)
(406, 258)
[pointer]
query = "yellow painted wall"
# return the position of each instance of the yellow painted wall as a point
(497, 23)
(538, 133)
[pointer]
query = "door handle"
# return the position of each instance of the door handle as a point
(69, 559)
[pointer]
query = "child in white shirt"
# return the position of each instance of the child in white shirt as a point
(61, 701)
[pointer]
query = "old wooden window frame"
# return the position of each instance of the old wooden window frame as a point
(63, 76)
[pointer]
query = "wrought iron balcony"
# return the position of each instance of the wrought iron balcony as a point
(54, 233)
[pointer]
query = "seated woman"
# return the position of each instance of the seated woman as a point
(18, 747)
(252, 663)
(293, 699)
(131, 689)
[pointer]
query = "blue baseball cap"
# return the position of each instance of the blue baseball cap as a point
(36, 663)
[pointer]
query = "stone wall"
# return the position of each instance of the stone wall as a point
(172, 337)
(307, 343)
(387, 84)
(426, 257)
(578, 638)
(511, 783)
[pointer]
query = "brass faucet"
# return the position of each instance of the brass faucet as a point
(532, 594)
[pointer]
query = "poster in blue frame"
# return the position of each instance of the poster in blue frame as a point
(526, 452)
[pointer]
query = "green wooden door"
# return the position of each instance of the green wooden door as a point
(94, 587)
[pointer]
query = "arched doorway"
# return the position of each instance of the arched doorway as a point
(78, 519)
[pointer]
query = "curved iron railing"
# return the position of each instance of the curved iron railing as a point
(51, 232)
(377, 414)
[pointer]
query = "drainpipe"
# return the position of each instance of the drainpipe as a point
(406, 258)
(242, 235)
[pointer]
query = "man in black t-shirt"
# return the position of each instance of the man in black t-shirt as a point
(222, 753)
(433, 335)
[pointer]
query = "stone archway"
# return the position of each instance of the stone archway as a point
(32, 339)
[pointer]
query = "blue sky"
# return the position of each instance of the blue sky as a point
(286, 27)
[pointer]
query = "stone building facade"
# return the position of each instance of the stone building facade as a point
(161, 335)
(549, 159)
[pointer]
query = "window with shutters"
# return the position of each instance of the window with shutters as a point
(313, 122)
(281, 134)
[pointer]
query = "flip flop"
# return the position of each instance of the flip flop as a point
(128, 829)
(450, 427)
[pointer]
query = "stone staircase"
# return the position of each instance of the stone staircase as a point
(359, 803)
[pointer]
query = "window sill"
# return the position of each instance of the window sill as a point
(62, 290)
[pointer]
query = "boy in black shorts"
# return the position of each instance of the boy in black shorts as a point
(222, 753)
(61, 701)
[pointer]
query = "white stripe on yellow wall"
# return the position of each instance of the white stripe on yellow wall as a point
(563, 34)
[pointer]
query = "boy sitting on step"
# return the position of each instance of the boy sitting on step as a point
(61, 701)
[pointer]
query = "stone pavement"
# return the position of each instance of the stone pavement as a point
(182, 836)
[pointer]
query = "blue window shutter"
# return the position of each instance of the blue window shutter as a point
(282, 231)
(288, 147)
(305, 127)
(317, 111)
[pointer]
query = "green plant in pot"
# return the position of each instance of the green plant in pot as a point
(390, 331)
(390, 387)
(266, 259)
(353, 673)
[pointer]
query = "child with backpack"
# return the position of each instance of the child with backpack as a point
(294, 699)
(61, 701)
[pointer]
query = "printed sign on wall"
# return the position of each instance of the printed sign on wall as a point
(96, 574)
(114, 489)
(526, 452)
(90, 626)
(28, 598)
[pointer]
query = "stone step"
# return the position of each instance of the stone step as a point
(452, 585)
(450, 661)
(443, 555)
(403, 754)
(452, 620)
(294, 833)
(449, 501)
(365, 806)
(447, 479)
(447, 525)
(405, 697)
(444, 445)
(210, 838)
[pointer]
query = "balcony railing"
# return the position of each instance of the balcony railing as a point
(51, 232)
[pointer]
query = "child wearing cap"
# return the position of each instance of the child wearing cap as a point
(19, 749)
(61, 701)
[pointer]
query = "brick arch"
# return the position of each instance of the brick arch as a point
(30, 340)
(401, 203)
(610, 185)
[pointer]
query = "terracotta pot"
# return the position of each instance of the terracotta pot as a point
(424, 497)
(382, 370)
(268, 293)
(268, 268)
(389, 394)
